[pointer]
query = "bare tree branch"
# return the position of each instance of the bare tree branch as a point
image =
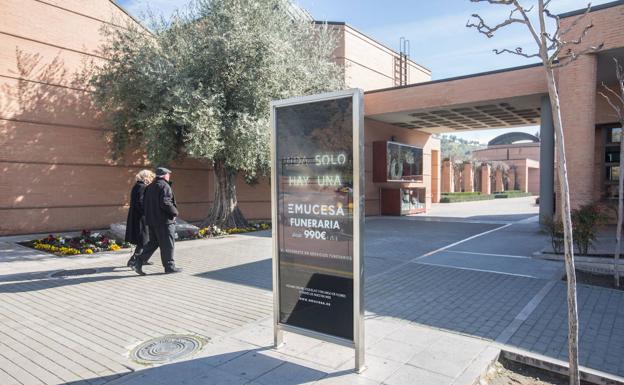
(572, 56)
(517, 51)
(489, 31)
(577, 20)
(616, 108)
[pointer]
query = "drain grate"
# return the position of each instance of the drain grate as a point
(166, 349)
(73, 273)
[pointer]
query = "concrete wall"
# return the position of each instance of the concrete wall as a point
(370, 65)
(506, 152)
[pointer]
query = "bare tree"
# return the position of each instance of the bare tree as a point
(615, 98)
(555, 49)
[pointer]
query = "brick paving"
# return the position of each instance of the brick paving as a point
(471, 302)
(56, 331)
(601, 328)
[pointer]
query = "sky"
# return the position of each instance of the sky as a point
(439, 39)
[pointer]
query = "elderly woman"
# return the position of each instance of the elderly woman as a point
(137, 232)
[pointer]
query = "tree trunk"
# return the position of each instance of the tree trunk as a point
(568, 241)
(225, 212)
(618, 231)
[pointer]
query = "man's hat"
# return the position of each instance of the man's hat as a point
(160, 171)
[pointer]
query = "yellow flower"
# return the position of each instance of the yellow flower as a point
(89, 251)
(114, 247)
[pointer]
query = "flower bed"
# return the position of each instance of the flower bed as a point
(215, 231)
(85, 243)
(253, 226)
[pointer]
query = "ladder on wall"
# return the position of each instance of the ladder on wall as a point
(401, 66)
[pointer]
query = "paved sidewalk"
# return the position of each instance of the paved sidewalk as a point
(398, 353)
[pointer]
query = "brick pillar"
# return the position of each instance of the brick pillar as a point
(498, 186)
(577, 91)
(468, 177)
(486, 184)
(512, 179)
(447, 176)
(435, 176)
(458, 181)
(523, 176)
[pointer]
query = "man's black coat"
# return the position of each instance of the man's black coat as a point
(159, 203)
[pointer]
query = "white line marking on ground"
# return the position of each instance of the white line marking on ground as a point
(481, 270)
(524, 314)
(460, 242)
(490, 255)
(399, 266)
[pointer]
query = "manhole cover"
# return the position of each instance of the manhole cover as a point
(166, 349)
(73, 273)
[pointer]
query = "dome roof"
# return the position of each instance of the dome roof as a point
(513, 137)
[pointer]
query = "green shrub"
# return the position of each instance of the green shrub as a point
(512, 194)
(463, 193)
(465, 198)
(585, 220)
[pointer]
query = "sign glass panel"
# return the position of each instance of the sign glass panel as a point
(314, 181)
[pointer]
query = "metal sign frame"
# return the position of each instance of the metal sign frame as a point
(358, 226)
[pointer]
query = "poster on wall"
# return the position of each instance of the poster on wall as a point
(318, 203)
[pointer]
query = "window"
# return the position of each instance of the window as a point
(611, 159)
(614, 135)
(404, 163)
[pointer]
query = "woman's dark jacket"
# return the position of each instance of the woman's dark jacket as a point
(136, 227)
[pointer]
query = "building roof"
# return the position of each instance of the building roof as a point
(593, 9)
(512, 137)
(342, 23)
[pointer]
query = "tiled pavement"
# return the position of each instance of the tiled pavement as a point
(425, 324)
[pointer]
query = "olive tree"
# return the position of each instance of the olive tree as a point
(199, 85)
(555, 48)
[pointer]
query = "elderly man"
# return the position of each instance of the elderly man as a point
(160, 213)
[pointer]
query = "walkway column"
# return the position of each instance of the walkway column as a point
(447, 176)
(498, 183)
(512, 178)
(577, 90)
(435, 176)
(522, 176)
(547, 162)
(486, 184)
(468, 177)
(457, 182)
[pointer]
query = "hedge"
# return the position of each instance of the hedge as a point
(477, 196)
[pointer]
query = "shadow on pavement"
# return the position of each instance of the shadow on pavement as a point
(231, 368)
(42, 280)
(256, 274)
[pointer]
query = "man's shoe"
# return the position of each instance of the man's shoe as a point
(131, 261)
(138, 268)
(173, 270)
